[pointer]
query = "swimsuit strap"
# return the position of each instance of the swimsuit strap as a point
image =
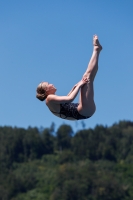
(60, 113)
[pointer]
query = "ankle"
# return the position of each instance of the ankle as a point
(97, 49)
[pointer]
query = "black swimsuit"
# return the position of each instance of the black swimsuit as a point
(70, 110)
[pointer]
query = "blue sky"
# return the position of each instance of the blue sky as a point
(52, 41)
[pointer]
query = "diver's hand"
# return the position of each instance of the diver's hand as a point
(85, 79)
(82, 82)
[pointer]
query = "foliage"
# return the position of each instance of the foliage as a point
(92, 164)
(64, 135)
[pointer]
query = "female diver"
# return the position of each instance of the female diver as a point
(62, 106)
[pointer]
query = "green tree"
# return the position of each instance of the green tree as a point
(48, 141)
(64, 135)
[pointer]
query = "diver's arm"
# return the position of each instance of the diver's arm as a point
(73, 88)
(66, 99)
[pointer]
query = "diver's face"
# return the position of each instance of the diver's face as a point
(50, 88)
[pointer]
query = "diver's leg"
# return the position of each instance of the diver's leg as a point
(93, 64)
(86, 104)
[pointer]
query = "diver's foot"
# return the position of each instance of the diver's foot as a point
(96, 44)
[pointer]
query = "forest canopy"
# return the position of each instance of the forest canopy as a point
(91, 164)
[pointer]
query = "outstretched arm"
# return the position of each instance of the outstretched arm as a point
(73, 88)
(66, 99)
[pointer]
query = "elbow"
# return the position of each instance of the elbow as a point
(70, 99)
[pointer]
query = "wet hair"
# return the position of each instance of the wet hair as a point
(41, 92)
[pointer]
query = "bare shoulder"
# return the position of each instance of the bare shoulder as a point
(50, 98)
(57, 99)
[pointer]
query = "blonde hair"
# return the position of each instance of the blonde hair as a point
(41, 92)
